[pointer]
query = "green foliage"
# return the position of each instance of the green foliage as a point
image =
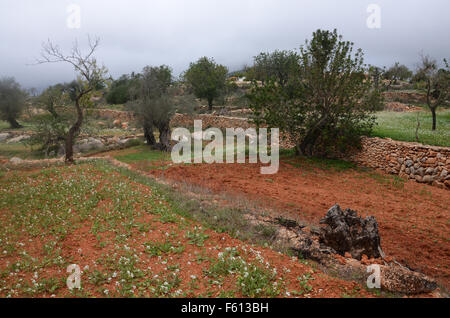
(397, 72)
(12, 101)
(49, 133)
(437, 84)
(53, 97)
(156, 99)
(144, 154)
(196, 236)
(153, 104)
(207, 79)
(327, 104)
(120, 90)
(252, 280)
(278, 66)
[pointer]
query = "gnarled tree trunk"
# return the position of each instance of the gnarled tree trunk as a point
(13, 123)
(70, 138)
(306, 146)
(210, 104)
(149, 136)
(164, 137)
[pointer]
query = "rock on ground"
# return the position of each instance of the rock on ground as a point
(346, 232)
(15, 161)
(4, 136)
(90, 144)
(18, 139)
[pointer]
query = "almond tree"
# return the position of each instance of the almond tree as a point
(90, 76)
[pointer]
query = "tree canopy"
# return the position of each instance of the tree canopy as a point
(154, 104)
(279, 66)
(327, 103)
(207, 79)
(437, 83)
(12, 101)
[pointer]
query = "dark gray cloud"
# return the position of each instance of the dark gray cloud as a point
(136, 33)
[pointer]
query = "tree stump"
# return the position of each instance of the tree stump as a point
(346, 232)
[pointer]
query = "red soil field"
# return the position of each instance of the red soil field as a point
(413, 218)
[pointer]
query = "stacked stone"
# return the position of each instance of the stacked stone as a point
(123, 116)
(424, 164)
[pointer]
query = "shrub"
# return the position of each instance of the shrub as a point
(329, 102)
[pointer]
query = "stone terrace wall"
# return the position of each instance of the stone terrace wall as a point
(221, 122)
(424, 164)
(114, 114)
(405, 97)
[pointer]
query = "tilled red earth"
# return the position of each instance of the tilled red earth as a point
(414, 219)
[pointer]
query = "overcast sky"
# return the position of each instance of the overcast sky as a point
(136, 33)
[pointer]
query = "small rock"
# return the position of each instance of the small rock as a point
(428, 179)
(439, 184)
(15, 160)
(17, 139)
(420, 172)
(4, 136)
(398, 279)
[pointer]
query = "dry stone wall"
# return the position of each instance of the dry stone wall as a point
(221, 122)
(114, 114)
(424, 164)
(405, 97)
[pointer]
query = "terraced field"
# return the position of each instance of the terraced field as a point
(130, 239)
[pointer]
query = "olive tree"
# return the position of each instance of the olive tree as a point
(12, 101)
(327, 105)
(90, 77)
(155, 103)
(278, 66)
(119, 92)
(207, 79)
(395, 73)
(437, 83)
